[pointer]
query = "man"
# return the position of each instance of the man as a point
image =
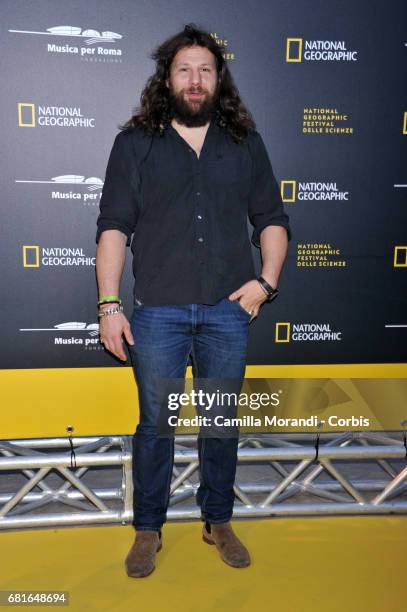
(183, 175)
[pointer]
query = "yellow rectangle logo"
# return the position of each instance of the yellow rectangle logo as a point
(293, 51)
(400, 257)
(288, 191)
(26, 114)
(31, 256)
(283, 331)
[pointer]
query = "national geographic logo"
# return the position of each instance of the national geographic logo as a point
(319, 255)
(306, 332)
(300, 50)
(32, 115)
(35, 256)
(400, 256)
(98, 46)
(291, 191)
(325, 121)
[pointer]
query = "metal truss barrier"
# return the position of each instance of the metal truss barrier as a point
(301, 474)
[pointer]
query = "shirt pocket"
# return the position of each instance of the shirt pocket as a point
(228, 171)
(223, 170)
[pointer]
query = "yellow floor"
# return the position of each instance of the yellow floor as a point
(43, 402)
(298, 564)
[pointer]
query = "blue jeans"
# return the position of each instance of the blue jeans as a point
(165, 336)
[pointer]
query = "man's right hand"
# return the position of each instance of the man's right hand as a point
(111, 329)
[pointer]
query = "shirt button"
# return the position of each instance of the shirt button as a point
(200, 239)
(198, 193)
(199, 217)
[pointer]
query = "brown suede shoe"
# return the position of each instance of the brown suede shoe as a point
(140, 560)
(228, 544)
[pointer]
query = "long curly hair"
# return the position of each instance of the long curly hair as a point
(154, 111)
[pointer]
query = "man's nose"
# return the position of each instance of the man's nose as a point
(195, 77)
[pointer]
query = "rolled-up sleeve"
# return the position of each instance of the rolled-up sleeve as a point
(265, 203)
(119, 200)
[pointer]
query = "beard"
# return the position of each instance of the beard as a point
(192, 113)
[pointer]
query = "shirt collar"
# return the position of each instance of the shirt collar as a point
(211, 137)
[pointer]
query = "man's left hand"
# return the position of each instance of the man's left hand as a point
(251, 296)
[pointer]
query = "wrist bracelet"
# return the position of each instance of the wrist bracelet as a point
(109, 297)
(110, 311)
(108, 302)
(264, 289)
(271, 292)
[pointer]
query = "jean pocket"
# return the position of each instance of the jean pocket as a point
(137, 306)
(241, 307)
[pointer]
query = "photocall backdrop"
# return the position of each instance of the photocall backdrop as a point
(325, 82)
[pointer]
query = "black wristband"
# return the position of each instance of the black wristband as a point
(271, 292)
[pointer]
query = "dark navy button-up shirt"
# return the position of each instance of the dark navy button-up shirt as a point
(188, 214)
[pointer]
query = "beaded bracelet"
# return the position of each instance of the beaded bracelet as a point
(110, 311)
